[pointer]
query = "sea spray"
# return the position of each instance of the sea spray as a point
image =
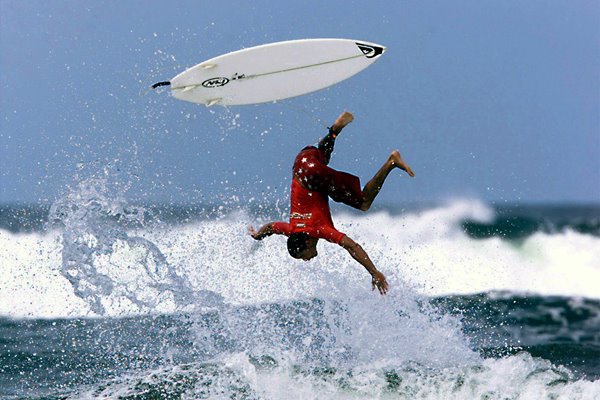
(338, 332)
(212, 252)
(103, 261)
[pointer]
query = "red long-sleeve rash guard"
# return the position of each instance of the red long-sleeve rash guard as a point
(309, 200)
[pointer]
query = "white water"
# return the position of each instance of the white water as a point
(163, 269)
(89, 265)
(516, 377)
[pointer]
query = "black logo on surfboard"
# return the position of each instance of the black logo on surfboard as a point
(215, 82)
(370, 51)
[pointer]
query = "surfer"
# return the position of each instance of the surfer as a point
(313, 182)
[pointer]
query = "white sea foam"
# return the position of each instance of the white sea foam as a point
(519, 376)
(431, 250)
(146, 270)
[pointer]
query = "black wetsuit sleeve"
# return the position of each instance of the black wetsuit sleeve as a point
(326, 145)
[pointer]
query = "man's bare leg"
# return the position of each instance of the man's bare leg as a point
(372, 188)
(326, 143)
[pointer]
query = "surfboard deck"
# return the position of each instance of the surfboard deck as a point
(273, 71)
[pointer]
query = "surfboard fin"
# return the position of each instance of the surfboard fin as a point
(188, 88)
(212, 102)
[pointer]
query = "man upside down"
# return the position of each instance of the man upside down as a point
(313, 182)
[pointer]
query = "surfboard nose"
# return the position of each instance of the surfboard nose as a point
(371, 50)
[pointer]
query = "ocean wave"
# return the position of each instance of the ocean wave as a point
(93, 263)
(355, 347)
(265, 377)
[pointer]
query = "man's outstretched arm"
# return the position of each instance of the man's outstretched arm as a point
(279, 228)
(360, 255)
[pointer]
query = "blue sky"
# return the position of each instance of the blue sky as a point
(492, 100)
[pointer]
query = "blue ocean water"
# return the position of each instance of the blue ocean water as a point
(104, 299)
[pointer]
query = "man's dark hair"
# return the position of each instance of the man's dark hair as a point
(297, 243)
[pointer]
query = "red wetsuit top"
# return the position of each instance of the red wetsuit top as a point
(309, 200)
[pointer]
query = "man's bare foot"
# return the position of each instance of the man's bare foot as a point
(344, 119)
(398, 162)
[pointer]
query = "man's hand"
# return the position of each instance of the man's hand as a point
(254, 233)
(379, 282)
(262, 233)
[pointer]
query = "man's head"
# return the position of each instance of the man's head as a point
(302, 246)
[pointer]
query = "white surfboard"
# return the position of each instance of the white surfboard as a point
(273, 71)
